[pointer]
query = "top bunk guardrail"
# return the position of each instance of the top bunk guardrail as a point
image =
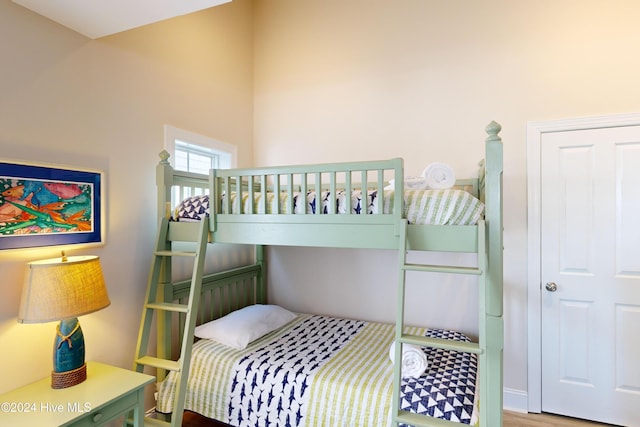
(254, 190)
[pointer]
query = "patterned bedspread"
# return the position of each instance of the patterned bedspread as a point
(438, 207)
(323, 371)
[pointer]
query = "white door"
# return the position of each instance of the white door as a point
(590, 257)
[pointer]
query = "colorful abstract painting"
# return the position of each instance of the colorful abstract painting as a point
(45, 206)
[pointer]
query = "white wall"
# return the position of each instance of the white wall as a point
(354, 80)
(102, 104)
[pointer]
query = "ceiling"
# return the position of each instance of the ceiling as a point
(99, 18)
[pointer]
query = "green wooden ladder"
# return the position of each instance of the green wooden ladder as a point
(405, 417)
(159, 277)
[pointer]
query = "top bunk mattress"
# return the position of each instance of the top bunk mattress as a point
(427, 207)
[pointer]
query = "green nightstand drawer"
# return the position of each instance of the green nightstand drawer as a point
(108, 412)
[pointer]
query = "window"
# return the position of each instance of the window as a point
(196, 153)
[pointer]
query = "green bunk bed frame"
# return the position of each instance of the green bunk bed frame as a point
(226, 291)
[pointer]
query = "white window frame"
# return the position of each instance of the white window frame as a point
(228, 152)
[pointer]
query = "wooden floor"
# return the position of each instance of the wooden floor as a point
(514, 419)
(511, 419)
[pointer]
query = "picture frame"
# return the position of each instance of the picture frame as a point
(50, 205)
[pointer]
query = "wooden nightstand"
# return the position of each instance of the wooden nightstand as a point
(107, 394)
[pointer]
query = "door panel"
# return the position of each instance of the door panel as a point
(628, 195)
(590, 248)
(627, 325)
(574, 341)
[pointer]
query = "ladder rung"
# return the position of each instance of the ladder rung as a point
(156, 362)
(174, 253)
(153, 422)
(169, 306)
(422, 420)
(466, 347)
(442, 269)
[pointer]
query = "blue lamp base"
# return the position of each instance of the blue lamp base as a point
(69, 368)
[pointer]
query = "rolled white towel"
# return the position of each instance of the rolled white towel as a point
(414, 360)
(439, 176)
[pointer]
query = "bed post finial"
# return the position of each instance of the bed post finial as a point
(164, 157)
(493, 129)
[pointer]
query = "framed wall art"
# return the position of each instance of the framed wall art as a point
(44, 205)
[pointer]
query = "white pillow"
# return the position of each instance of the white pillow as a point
(238, 328)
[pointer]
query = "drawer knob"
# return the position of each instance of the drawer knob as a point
(96, 417)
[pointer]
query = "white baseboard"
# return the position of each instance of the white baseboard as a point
(515, 400)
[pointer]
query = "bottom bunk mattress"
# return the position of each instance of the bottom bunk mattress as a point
(323, 371)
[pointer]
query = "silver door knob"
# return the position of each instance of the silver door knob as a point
(551, 286)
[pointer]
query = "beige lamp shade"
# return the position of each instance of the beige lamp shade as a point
(62, 288)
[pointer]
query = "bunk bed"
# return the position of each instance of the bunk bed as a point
(336, 205)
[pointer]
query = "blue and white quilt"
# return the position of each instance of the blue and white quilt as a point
(323, 371)
(271, 384)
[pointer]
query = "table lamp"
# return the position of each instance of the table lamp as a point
(61, 289)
